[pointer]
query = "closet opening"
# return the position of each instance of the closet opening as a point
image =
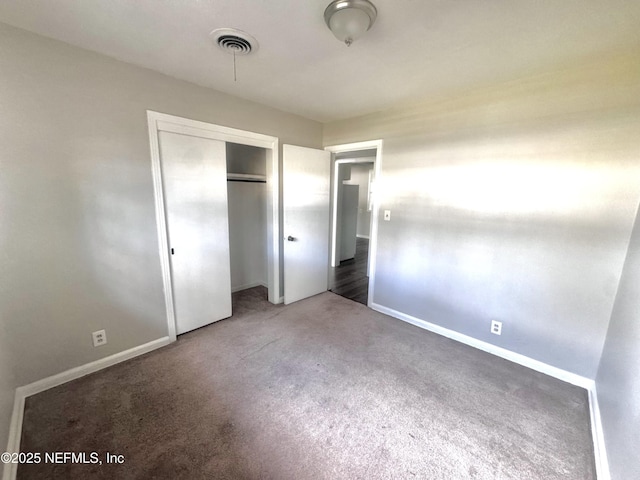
(247, 209)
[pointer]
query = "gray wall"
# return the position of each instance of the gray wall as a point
(513, 202)
(77, 227)
(618, 380)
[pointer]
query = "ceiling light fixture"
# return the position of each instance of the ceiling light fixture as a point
(350, 19)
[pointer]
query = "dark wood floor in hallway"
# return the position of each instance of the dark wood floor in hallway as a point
(350, 279)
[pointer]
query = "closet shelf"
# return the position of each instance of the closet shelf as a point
(246, 177)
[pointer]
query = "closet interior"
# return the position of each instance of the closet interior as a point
(247, 204)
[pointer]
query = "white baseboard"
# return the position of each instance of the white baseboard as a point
(248, 285)
(15, 429)
(599, 447)
(602, 465)
(363, 236)
(81, 371)
(536, 365)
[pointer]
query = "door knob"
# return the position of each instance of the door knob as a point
(291, 239)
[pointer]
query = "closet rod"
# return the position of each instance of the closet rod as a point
(246, 180)
(246, 177)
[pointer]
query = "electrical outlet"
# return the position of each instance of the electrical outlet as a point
(99, 338)
(387, 215)
(496, 327)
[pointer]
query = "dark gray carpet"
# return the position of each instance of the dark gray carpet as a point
(323, 389)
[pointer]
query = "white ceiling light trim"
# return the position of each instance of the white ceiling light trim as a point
(350, 19)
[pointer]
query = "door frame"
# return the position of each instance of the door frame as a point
(373, 235)
(170, 123)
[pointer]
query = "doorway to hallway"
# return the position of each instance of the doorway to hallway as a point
(354, 219)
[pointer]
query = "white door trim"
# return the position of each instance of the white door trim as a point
(373, 236)
(170, 123)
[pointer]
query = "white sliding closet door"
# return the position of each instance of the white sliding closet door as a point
(194, 175)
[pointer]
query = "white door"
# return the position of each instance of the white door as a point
(194, 174)
(305, 198)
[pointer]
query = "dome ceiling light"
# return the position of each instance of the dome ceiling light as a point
(350, 19)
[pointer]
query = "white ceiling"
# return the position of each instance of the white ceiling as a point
(417, 49)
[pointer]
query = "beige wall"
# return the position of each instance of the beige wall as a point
(513, 202)
(77, 227)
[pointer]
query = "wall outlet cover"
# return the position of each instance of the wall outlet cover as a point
(496, 327)
(99, 338)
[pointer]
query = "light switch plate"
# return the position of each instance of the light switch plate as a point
(387, 215)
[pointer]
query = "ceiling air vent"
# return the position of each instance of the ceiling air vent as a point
(235, 42)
